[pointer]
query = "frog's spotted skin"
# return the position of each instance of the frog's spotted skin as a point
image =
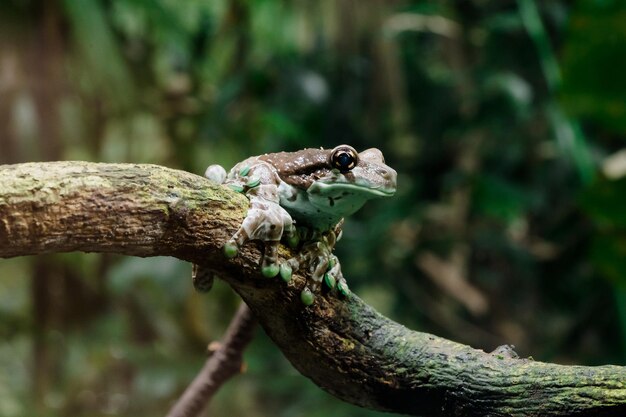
(313, 188)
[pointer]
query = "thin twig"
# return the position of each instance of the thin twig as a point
(221, 366)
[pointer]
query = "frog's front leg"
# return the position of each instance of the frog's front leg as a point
(266, 220)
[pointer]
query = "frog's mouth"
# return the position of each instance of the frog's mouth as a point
(344, 193)
(343, 199)
(347, 190)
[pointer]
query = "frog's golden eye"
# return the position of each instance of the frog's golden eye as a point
(344, 158)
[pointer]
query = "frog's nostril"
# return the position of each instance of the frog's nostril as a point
(390, 175)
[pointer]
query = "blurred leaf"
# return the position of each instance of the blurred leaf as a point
(594, 63)
(608, 254)
(571, 139)
(569, 136)
(605, 202)
(280, 124)
(497, 198)
(509, 21)
(534, 25)
(104, 66)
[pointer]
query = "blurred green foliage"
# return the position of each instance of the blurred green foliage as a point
(504, 119)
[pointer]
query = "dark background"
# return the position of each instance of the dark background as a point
(504, 119)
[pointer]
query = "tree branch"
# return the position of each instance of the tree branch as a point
(223, 364)
(344, 346)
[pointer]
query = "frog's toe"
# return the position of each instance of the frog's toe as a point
(330, 281)
(333, 276)
(269, 263)
(270, 271)
(285, 272)
(342, 287)
(216, 174)
(231, 249)
(319, 269)
(293, 240)
(307, 297)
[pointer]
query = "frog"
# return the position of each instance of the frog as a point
(302, 198)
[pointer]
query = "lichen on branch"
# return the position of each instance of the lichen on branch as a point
(344, 346)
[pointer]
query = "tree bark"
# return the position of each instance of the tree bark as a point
(344, 346)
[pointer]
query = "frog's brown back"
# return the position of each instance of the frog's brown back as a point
(301, 168)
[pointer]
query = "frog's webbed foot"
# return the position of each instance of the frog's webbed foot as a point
(323, 267)
(335, 277)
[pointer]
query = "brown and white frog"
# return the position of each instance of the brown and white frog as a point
(313, 189)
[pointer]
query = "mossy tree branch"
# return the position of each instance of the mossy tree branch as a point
(344, 346)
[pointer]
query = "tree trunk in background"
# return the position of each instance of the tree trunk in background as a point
(46, 64)
(10, 86)
(47, 76)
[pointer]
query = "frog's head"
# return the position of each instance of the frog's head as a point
(351, 180)
(320, 186)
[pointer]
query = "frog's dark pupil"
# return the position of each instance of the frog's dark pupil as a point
(344, 161)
